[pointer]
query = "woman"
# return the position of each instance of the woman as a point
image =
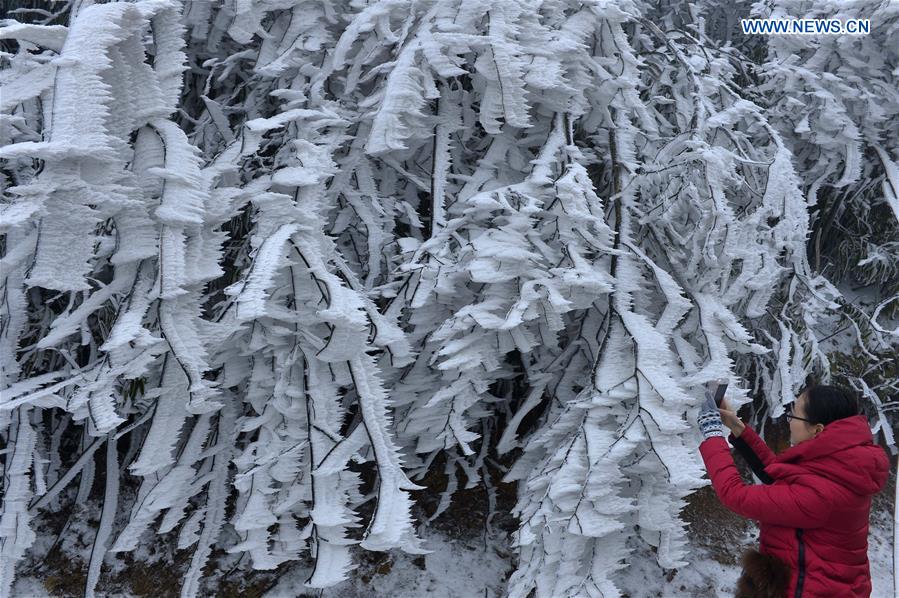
(815, 500)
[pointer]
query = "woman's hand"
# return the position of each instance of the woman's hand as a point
(731, 420)
(709, 419)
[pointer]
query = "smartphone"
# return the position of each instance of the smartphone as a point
(719, 392)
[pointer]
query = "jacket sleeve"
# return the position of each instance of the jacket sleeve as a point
(755, 444)
(792, 505)
(757, 457)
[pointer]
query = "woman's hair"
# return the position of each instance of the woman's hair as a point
(826, 404)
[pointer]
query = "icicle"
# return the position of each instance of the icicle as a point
(391, 525)
(107, 517)
(16, 535)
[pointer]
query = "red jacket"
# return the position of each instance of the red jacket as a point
(814, 513)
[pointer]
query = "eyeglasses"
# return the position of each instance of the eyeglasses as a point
(789, 415)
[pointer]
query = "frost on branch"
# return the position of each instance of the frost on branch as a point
(282, 260)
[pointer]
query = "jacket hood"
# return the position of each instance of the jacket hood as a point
(845, 453)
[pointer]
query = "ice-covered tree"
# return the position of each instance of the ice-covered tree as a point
(292, 256)
(829, 97)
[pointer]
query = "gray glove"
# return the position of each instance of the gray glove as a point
(709, 419)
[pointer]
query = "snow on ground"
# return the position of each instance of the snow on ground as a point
(467, 564)
(880, 555)
(466, 569)
(711, 571)
(455, 569)
(703, 577)
(28, 587)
